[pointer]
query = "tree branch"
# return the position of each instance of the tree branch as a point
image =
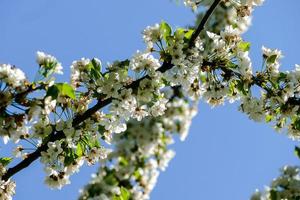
(100, 104)
(203, 22)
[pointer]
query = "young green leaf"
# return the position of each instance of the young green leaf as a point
(188, 34)
(5, 161)
(244, 46)
(297, 151)
(66, 90)
(271, 59)
(70, 157)
(53, 91)
(125, 195)
(269, 118)
(63, 89)
(165, 30)
(80, 149)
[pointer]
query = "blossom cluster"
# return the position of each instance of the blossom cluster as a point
(141, 153)
(58, 123)
(7, 188)
(286, 186)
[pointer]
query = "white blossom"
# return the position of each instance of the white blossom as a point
(12, 75)
(7, 189)
(49, 62)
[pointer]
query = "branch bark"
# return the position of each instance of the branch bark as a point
(203, 22)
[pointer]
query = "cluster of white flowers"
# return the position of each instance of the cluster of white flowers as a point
(286, 186)
(278, 88)
(186, 65)
(245, 7)
(180, 115)
(13, 128)
(12, 76)
(57, 169)
(151, 35)
(48, 63)
(141, 152)
(57, 179)
(272, 57)
(33, 120)
(192, 4)
(49, 105)
(252, 2)
(144, 61)
(245, 64)
(218, 43)
(80, 72)
(7, 188)
(254, 107)
(52, 153)
(96, 154)
(215, 94)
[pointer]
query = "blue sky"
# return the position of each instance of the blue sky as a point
(226, 156)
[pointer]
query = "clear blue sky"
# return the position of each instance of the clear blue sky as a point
(226, 156)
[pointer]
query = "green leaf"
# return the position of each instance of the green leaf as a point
(125, 195)
(273, 195)
(47, 68)
(179, 31)
(94, 143)
(231, 65)
(115, 197)
(110, 179)
(5, 160)
(80, 149)
(90, 142)
(70, 157)
(137, 174)
(165, 30)
(296, 123)
(271, 59)
(269, 118)
(188, 34)
(96, 64)
(244, 46)
(125, 63)
(66, 90)
(63, 89)
(203, 78)
(241, 87)
(53, 91)
(297, 151)
(282, 76)
(95, 68)
(123, 161)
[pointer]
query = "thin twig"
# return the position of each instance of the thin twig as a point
(203, 22)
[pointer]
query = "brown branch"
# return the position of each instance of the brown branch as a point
(100, 104)
(20, 97)
(203, 22)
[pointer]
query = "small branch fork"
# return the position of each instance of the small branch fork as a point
(57, 135)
